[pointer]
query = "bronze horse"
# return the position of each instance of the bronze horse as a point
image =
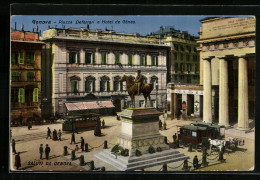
(146, 89)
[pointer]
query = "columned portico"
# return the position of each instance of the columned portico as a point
(243, 122)
(223, 92)
(207, 82)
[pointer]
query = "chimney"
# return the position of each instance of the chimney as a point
(22, 27)
(36, 28)
(15, 26)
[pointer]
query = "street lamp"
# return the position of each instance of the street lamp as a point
(156, 94)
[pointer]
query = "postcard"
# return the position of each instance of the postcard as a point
(132, 93)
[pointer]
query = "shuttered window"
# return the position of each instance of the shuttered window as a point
(21, 95)
(30, 58)
(15, 76)
(21, 58)
(103, 58)
(117, 58)
(30, 76)
(130, 59)
(35, 94)
(14, 58)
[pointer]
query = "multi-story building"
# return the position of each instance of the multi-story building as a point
(184, 65)
(86, 62)
(25, 77)
(227, 56)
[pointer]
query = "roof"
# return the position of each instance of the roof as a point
(89, 105)
(194, 128)
(207, 124)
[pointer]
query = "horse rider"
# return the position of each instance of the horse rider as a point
(139, 82)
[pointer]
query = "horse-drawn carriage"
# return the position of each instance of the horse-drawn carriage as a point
(195, 132)
(80, 122)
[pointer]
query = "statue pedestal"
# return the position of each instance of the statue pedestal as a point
(140, 131)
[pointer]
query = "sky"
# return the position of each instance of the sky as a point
(122, 24)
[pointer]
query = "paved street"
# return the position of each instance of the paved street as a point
(28, 142)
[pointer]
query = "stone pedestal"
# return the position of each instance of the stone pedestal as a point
(140, 132)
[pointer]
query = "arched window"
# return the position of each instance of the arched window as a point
(118, 86)
(104, 84)
(154, 81)
(74, 84)
(90, 84)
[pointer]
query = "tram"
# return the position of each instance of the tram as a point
(80, 122)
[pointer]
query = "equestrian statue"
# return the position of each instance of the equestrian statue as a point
(137, 87)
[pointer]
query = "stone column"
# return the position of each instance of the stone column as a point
(243, 123)
(223, 93)
(207, 82)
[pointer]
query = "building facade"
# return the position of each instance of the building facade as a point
(25, 77)
(227, 64)
(184, 64)
(85, 62)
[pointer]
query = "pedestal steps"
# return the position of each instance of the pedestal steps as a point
(144, 161)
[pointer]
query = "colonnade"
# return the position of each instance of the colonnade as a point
(243, 122)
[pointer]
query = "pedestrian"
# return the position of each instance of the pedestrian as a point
(103, 124)
(195, 162)
(13, 146)
(59, 134)
(47, 151)
(72, 138)
(82, 144)
(17, 161)
(41, 151)
(48, 133)
(54, 137)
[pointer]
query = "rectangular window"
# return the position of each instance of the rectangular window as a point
(30, 58)
(35, 94)
(30, 76)
(21, 58)
(142, 59)
(121, 86)
(176, 47)
(88, 58)
(145, 63)
(15, 76)
(154, 60)
(89, 86)
(21, 95)
(117, 60)
(182, 67)
(175, 56)
(14, 58)
(187, 57)
(176, 68)
(60, 82)
(130, 59)
(182, 48)
(194, 134)
(103, 58)
(189, 48)
(74, 57)
(74, 86)
(181, 57)
(195, 58)
(141, 103)
(116, 86)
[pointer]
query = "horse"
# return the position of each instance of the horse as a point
(131, 87)
(220, 144)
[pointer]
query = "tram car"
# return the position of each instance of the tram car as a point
(80, 122)
(195, 132)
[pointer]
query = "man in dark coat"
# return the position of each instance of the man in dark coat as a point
(54, 135)
(17, 161)
(48, 133)
(47, 151)
(82, 144)
(41, 151)
(72, 138)
(13, 146)
(195, 162)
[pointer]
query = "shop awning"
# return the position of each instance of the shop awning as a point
(89, 105)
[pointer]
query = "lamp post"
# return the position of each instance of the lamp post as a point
(164, 118)
(156, 94)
